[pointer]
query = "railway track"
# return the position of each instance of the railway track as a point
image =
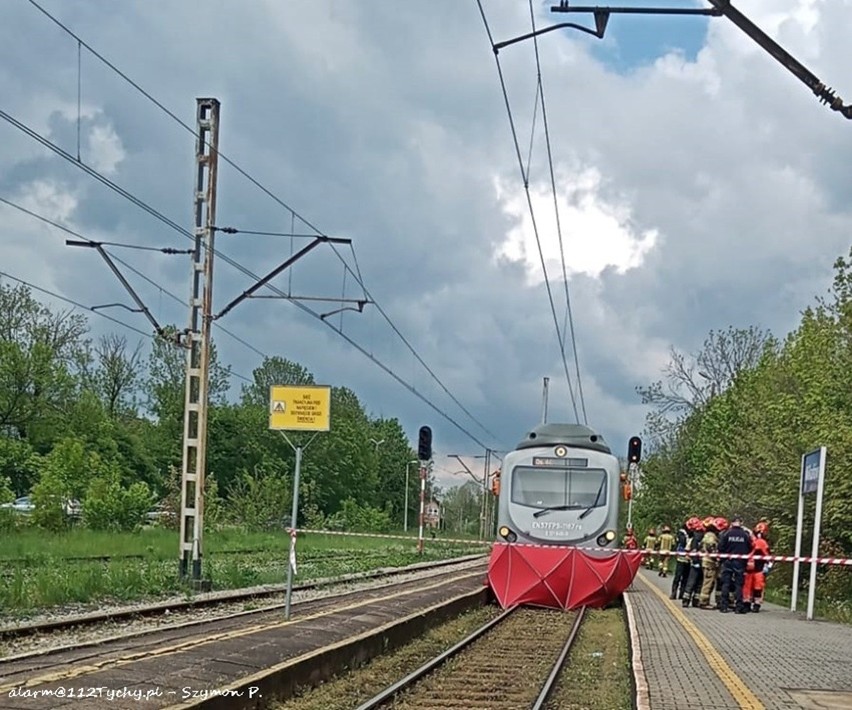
(235, 597)
(511, 662)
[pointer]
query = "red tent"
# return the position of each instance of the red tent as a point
(559, 577)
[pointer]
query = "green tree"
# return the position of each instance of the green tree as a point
(39, 352)
(274, 371)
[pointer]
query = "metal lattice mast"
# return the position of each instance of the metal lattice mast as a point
(198, 340)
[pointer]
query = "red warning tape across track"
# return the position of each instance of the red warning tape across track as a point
(841, 561)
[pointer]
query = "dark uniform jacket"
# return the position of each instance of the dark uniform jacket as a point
(735, 541)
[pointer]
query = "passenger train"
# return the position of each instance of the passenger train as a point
(557, 519)
(560, 486)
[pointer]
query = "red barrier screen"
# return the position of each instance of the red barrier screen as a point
(559, 577)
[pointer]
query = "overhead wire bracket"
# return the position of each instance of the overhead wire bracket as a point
(721, 8)
(278, 269)
(124, 282)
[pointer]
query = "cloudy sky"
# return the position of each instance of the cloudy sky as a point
(699, 185)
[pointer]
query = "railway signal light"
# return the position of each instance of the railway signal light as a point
(634, 449)
(424, 444)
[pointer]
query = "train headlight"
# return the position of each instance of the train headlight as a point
(606, 538)
(507, 534)
(561, 451)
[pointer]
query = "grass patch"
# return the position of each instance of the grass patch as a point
(37, 570)
(839, 610)
(597, 675)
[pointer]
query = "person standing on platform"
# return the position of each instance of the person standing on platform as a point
(665, 545)
(755, 575)
(681, 561)
(650, 545)
(710, 565)
(734, 541)
(696, 575)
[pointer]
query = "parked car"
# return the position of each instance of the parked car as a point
(160, 513)
(73, 508)
(23, 505)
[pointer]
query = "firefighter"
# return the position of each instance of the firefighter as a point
(681, 561)
(710, 565)
(692, 590)
(650, 545)
(630, 542)
(755, 570)
(665, 545)
(734, 541)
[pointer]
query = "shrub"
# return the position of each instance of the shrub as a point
(113, 507)
(364, 518)
(259, 501)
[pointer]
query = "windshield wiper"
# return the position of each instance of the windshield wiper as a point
(595, 503)
(541, 512)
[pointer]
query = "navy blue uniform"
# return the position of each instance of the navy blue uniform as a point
(734, 541)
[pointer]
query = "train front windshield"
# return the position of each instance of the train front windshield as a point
(566, 488)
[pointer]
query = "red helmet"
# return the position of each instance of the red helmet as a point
(721, 524)
(761, 528)
(699, 526)
(692, 523)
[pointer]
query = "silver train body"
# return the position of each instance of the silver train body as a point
(560, 486)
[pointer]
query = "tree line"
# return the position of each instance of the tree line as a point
(100, 421)
(728, 427)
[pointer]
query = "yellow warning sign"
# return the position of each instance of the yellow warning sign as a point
(300, 407)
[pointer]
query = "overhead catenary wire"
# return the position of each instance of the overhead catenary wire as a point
(568, 310)
(294, 214)
(97, 312)
(525, 178)
(280, 293)
(130, 267)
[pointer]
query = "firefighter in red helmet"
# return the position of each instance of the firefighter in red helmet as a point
(755, 570)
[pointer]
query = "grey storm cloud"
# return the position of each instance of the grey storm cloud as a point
(384, 123)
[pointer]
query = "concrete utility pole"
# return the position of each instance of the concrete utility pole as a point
(198, 341)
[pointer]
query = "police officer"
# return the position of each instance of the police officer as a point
(734, 541)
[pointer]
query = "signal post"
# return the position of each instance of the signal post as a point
(424, 453)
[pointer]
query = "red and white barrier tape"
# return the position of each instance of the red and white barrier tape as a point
(387, 536)
(841, 561)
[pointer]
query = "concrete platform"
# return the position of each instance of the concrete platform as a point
(692, 658)
(235, 662)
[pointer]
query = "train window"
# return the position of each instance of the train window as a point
(572, 488)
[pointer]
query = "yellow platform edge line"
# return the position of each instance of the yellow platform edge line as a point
(736, 686)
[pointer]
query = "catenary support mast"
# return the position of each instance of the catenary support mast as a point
(197, 341)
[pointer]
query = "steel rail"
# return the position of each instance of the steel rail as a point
(391, 691)
(550, 683)
(10, 632)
